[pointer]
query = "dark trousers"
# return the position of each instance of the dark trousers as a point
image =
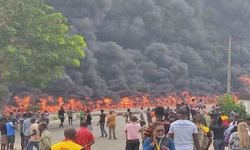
(62, 120)
(193, 113)
(70, 120)
(219, 145)
(132, 144)
(103, 131)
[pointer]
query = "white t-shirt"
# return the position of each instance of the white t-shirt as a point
(183, 131)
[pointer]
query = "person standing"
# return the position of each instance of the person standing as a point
(45, 142)
(69, 142)
(225, 119)
(70, 116)
(46, 113)
(205, 134)
(152, 115)
(141, 114)
(21, 120)
(127, 115)
(61, 113)
(148, 116)
(89, 123)
(159, 113)
(240, 140)
(82, 114)
(3, 133)
(132, 134)
(184, 132)
(158, 140)
(218, 130)
(102, 124)
(193, 106)
(85, 137)
(34, 135)
(111, 123)
(10, 128)
(26, 129)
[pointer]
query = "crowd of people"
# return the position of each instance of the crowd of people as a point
(188, 127)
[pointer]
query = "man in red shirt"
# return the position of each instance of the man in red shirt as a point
(85, 137)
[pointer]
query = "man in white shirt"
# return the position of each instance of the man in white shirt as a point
(184, 132)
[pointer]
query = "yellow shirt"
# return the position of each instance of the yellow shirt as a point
(66, 145)
(111, 120)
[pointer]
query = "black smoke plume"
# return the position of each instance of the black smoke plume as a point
(152, 46)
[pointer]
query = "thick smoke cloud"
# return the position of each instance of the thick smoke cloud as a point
(151, 46)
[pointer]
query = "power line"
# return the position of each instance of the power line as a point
(244, 24)
(236, 13)
(241, 18)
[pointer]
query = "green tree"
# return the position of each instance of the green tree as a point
(227, 103)
(34, 43)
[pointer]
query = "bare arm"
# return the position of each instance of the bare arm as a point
(196, 141)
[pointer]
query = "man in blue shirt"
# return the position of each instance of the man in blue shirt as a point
(10, 127)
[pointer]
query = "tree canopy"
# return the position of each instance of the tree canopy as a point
(227, 103)
(35, 45)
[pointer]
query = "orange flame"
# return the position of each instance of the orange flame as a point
(53, 104)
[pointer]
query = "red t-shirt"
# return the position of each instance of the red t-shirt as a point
(84, 136)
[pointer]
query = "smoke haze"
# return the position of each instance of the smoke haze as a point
(152, 46)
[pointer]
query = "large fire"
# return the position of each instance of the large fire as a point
(53, 104)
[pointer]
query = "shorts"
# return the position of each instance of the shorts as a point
(11, 139)
(4, 138)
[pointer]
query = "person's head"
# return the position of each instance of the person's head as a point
(11, 113)
(70, 108)
(35, 111)
(70, 133)
(167, 107)
(242, 129)
(153, 109)
(236, 117)
(134, 119)
(199, 120)
(222, 113)
(24, 115)
(61, 107)
(248, 121)
(142, 123)
(128, 110)
(240, 120)
(141, 108)
(29, 115)
(14, 110)
(110, 112)
(43, 116)
(159, 112)
(32, 120)
(213, 111)
(10, 119)
(18, 110)
(158, 129)
(182, 113)
(83, 124)
(148, 109)
(193, 100)
(42, 126)
(219, 121)
(102, 111)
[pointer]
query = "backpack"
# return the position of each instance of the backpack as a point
(165, 142)
(202, 136)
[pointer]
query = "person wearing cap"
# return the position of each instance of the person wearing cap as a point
(184, 132)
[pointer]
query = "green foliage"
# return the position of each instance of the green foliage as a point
(227, 104)
(34, 45)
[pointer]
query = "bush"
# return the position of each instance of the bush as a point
(227, 103)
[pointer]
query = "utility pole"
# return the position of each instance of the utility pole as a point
(229, 66)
